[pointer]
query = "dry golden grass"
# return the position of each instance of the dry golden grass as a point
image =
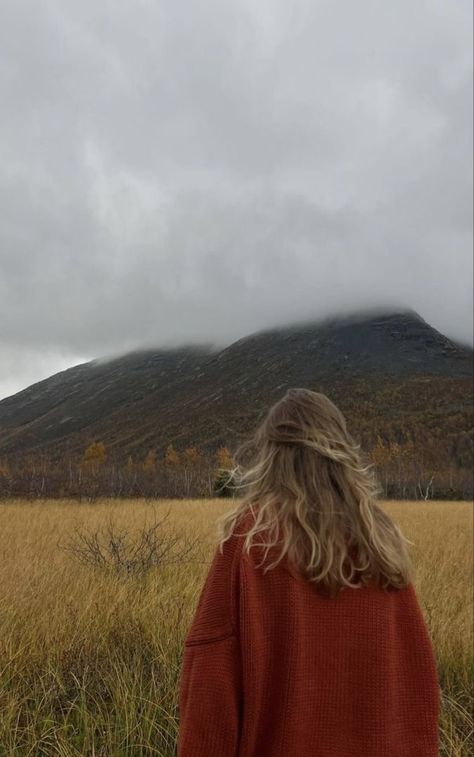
(89, 661)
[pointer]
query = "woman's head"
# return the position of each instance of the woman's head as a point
(314, 498)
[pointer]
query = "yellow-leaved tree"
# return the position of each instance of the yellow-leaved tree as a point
(149, 464)
(172, 458)
(192, 455)
(224, 459)
(94, 455)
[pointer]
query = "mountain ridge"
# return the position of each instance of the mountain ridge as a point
(149, 398)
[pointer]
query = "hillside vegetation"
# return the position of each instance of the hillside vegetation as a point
(405, 389)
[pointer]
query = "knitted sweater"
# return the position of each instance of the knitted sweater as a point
(272, 668)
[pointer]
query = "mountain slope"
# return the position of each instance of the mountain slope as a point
(382, 362)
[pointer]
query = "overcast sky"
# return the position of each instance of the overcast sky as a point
(194, 171)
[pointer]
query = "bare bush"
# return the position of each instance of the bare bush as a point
(118, 551)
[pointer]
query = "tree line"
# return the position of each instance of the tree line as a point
(412, 469)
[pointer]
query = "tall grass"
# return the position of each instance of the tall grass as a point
(90, 660)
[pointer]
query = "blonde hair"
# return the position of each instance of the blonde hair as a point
(313, 496)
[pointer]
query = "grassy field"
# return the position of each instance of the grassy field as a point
(90, 656)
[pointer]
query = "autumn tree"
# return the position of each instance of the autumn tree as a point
(94, 454)
(149, 464)
(172, 457)
(5, 469)
(224, 459)
(192, 455)
(380, 454)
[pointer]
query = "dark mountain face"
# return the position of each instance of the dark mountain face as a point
(370, 364)
(69, 403)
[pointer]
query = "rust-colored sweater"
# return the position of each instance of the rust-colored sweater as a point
(273, 668)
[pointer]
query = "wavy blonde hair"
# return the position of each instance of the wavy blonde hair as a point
(313, 496)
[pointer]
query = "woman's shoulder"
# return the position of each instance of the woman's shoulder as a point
(239, 523)
(246, 520)
(236, 543)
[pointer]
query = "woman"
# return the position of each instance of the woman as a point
(308, 639)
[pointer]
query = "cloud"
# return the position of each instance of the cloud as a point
(177, 173)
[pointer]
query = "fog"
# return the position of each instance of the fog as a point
(193, 173)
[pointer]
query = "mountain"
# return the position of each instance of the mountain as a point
(387, 370)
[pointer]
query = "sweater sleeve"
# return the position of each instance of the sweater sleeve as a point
(210, 689)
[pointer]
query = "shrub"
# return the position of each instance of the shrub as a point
(120, 552)
(224, 484)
